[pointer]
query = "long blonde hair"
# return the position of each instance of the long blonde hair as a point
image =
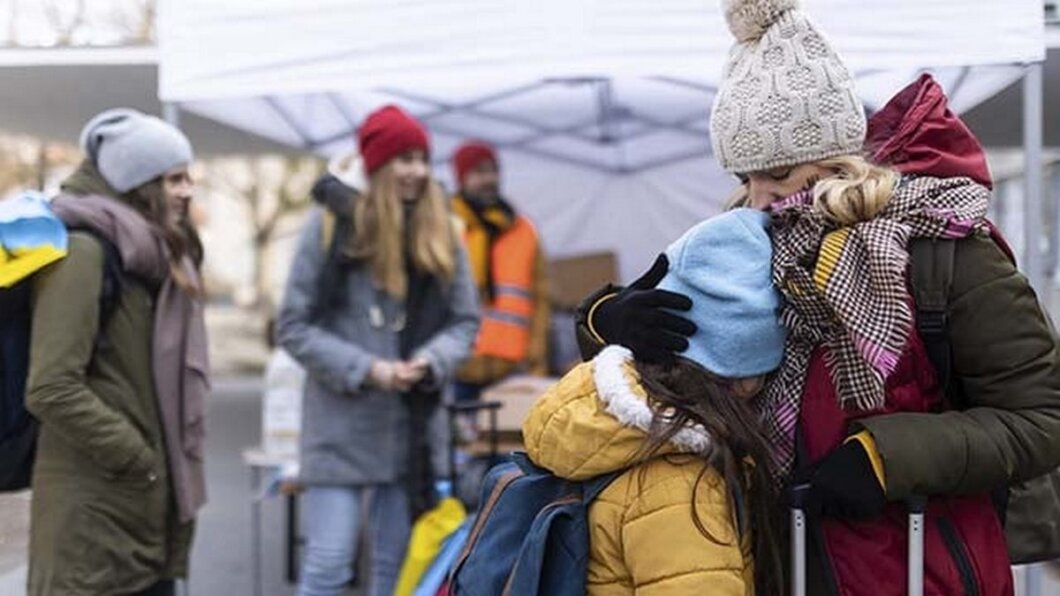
(858, 191)
(379, 232)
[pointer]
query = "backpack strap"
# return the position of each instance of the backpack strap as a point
(931, 271)
(113, 280)
(334, 232)
(110, 293)
(592, 488)
(327, 230)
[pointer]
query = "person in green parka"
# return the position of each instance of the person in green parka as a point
(118, 477)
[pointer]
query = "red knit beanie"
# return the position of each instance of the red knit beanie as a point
(469, 155)
(387, 133)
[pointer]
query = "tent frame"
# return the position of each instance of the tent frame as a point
(617, 123)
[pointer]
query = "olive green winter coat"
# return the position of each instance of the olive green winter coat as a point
(103, 516)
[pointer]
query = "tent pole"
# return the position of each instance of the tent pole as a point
(171, 113)
(1033, 178)
(1052, 197)
(999, 205)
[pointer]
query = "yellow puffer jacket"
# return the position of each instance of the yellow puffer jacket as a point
(643, 537)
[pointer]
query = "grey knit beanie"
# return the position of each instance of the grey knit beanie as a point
(130, 148)
(785, 98)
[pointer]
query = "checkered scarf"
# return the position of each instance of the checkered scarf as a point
(846, 289)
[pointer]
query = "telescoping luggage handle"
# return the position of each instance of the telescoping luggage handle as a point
(473, 407)
(917, 506)
(798, 539)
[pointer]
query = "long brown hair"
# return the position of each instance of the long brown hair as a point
(182, 239)
(683, 394)
(379, 233)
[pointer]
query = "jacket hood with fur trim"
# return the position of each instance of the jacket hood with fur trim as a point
(596, 419)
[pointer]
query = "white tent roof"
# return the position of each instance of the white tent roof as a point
(600, 108)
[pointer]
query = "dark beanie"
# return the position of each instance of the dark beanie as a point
(469, 155)
(387, 133)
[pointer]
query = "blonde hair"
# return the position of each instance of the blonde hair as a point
(379, 232)
(738, 198)
(858, 191)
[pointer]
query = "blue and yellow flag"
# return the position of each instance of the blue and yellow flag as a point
(31, 236)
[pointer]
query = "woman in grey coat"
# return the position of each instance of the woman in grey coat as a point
(380, 309)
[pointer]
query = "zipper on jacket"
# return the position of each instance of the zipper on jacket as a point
(960, 556)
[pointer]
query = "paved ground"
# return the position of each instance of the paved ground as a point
(221, 560)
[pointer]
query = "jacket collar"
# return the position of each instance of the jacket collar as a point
(624, 398)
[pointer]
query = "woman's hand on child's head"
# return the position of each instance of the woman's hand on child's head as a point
(639, 317)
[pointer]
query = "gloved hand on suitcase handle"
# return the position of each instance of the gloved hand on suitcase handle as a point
(844, 484)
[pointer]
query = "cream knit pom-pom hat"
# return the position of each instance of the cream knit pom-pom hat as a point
(786, 98)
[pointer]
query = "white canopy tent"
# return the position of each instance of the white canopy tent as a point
(600, 109)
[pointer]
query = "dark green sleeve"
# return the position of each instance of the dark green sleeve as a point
(588, 345)
(1006, 366)
(65, 324)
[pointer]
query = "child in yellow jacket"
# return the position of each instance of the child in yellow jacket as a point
(691, 514)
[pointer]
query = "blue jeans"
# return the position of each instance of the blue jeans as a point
(332, 521)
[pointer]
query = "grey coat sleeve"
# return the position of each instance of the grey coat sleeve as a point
(452, 345)
(338, 364)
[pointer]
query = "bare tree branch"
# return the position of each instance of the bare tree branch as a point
(64, 31)
(136, 20)
(12, 23)
(146, 33)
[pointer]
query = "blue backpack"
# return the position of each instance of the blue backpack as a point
(18, 429)
(531, 535)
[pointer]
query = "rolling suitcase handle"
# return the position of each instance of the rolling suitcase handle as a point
(475, 406)
(798, 539)
(916, 505)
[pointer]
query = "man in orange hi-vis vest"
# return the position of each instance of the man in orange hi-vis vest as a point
(508, 267)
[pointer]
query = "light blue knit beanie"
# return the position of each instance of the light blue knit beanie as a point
(724, 265)
(130, 148)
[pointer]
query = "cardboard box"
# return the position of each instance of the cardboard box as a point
(518, 395)
(571, 279)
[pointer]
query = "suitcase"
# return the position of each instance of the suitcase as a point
(915, 578)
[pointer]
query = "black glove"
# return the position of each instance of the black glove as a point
(635, 317)
(844, 485)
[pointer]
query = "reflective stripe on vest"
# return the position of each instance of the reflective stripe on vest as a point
(505, 331)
